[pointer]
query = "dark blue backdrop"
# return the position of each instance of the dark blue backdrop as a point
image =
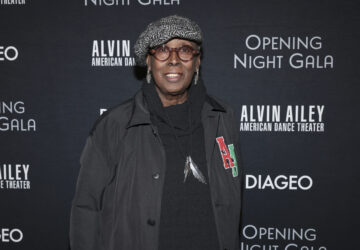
(300, 186)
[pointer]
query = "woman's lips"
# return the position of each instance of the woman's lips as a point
(173, 77)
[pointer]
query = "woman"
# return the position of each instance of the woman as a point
(160, 171)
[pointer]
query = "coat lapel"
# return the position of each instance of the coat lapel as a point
(210, 121)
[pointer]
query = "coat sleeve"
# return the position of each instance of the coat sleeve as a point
(86, 205)
(236, 128)
(235, 122)
(238, 153)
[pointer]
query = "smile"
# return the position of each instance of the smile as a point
(173, 76)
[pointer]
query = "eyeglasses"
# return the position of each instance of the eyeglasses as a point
(163, 52)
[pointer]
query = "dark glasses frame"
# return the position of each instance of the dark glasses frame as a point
(195, 52)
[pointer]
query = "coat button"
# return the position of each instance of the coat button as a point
(156, 176)
(151, 222)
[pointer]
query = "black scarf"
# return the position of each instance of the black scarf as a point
(178, 211)
(195, 101)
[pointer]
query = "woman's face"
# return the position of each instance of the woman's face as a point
(173, 76)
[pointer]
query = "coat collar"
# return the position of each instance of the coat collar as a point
(141, 116)
(214, 105)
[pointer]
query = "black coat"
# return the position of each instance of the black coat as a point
(118, 195)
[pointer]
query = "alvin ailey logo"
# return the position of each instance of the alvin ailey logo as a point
(281, 118)
(14, 176)
(111, 53)
(12, 2)
(127, 2)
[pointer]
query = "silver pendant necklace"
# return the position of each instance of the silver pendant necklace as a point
(190, 166)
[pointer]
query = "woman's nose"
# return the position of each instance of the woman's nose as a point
(173, 58)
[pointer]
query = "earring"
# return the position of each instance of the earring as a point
(196, 77)
(148, 76)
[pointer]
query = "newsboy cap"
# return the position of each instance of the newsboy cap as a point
(163, 30)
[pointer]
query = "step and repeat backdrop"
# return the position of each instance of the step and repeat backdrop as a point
(289, 68)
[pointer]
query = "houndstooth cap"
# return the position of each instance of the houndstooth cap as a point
(163, 30)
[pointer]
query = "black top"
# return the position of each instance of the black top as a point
(187, 218)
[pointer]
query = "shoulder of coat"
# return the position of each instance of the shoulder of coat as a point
(119, 114)
(219, 104)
